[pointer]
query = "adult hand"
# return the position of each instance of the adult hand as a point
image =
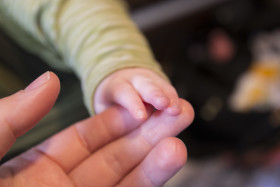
(132, 87)
(109, 149)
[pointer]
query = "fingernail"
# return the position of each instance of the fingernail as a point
(162, 101)
(176, 106)
(140, 114)
(39, 81)
(174, 109)
(162, 97)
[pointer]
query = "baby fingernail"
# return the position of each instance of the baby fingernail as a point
(176, 106)
(162, 97)
(175, 109)
(140, 114)
(39, 81)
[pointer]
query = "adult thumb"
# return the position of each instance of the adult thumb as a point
(24, 109)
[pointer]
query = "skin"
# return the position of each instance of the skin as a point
(97, 151)
(132, 87)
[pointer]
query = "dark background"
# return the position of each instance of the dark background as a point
(195, 75)
(198, 78)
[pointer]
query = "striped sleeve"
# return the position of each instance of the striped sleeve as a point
(94, 38)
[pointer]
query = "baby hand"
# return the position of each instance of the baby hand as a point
(132, 87)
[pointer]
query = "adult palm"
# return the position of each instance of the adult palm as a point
(109, 149)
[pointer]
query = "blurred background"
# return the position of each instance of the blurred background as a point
(223, 56)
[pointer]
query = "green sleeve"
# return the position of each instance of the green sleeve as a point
(94, 38)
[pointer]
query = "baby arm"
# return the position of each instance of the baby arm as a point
(132, 87)
(101, 44)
